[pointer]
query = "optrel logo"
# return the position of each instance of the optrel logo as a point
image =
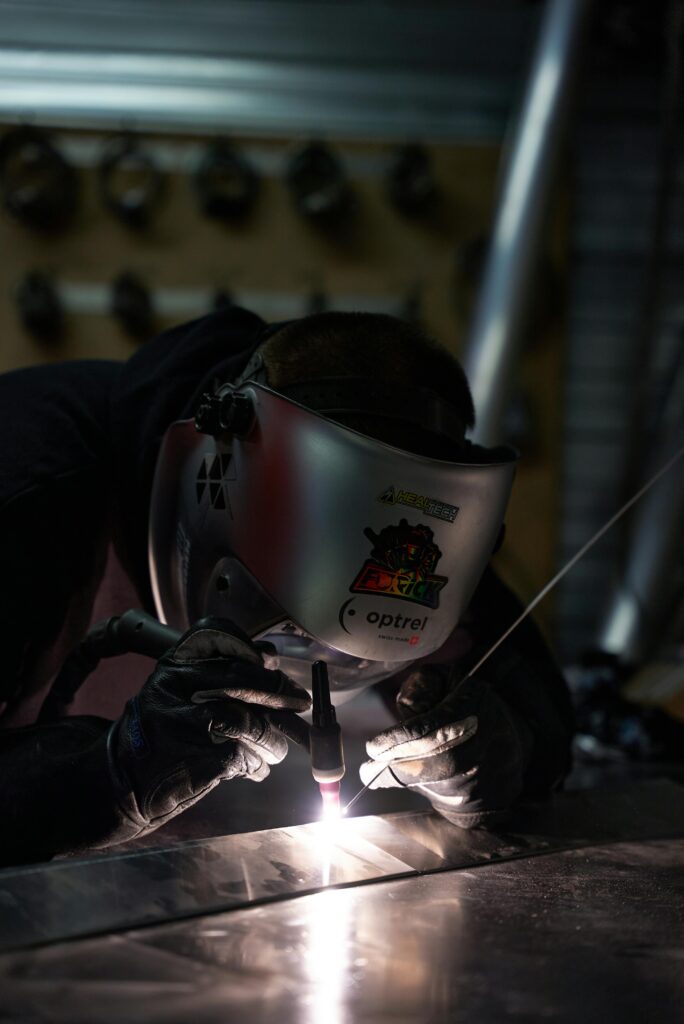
(382, 620)
(396, 621)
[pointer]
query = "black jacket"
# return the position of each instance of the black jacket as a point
(79, 444)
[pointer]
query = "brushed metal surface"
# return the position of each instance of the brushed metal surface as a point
(590, 935)
(69, 898)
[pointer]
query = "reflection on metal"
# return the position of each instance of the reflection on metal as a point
(592, 935)
(429, 70)
(494, 341)
(94, 299)
(182, 156)
(205, 94)
(327, 958)
(72, 898)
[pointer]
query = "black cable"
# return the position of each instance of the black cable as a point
(133, 632)
(81, 663)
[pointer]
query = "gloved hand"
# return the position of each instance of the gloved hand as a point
(460, 746)
(210, 711)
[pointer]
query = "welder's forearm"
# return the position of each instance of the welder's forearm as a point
(531, 691)
(56, 795)
(524, 673)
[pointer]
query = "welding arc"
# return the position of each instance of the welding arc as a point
(540, 596)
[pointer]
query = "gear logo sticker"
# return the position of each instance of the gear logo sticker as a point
(402, 564)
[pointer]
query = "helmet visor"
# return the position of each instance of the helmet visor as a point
(371, 551)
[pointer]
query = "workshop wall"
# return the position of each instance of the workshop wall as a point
(273, 258)
(375, 256)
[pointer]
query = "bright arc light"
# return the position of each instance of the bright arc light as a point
(330, 795)
(329, 828)
(331, 810)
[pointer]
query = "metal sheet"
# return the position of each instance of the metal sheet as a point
(71, 898)
(594, 935)
(75, 897)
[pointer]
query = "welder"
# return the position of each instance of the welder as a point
(282, 495)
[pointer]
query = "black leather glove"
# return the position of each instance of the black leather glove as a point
(210, 711)
(461, 746)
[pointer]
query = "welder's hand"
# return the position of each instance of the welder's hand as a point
(210, 711)
(466, 750)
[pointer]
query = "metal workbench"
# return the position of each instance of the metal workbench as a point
(575, 913)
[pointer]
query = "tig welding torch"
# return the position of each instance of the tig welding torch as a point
(327, 756)
(136, 632)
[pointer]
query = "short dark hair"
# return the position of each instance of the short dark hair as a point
(366, 345)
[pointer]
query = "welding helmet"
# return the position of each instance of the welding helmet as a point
(317, 538)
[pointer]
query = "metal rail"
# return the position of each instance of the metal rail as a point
(497, 331)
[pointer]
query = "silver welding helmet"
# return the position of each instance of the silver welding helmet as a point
(319, 539)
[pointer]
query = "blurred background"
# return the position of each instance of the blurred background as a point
(506, 173)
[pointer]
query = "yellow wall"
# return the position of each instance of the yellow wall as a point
(275, 251)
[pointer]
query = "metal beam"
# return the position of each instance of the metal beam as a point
(494, 341)
(431, 70)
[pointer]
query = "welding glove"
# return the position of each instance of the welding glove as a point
(461, 746)
(210, 711)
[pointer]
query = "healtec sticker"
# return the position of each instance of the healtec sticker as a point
(430, 506)
(401, 564)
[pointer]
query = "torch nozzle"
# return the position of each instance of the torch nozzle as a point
(327, 757)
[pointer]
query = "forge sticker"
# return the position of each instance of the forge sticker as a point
(401, 564)
(430, 506)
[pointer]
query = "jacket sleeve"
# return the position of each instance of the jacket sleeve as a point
(56, 792)
(525, 675)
